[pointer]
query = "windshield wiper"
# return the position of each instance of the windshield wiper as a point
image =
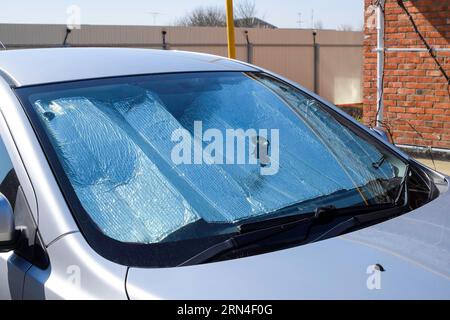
(244, 239)
(359, 220)
(300, 224)
(379, 163)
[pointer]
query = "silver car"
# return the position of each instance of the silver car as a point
(141, 174)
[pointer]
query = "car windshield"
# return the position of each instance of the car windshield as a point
(148, 157)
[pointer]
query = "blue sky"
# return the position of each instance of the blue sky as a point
(283, 13)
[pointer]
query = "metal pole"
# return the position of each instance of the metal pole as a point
(230, 31)
(249, 48)
(380, 62)
(416, 49)
(164, 42)
(68, 31)
(316, 63)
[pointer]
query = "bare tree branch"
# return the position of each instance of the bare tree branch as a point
(245, 13)
(345, 27)
(204, 17)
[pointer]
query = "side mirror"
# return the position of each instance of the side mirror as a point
(8, 233)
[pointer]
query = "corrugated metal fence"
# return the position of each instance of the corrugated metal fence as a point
(333, 66)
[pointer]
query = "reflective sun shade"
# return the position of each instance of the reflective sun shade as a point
(115, 142)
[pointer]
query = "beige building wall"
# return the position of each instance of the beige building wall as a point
(289, 52)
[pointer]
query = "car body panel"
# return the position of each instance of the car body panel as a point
(414, 250)
(12, 130)
(39, 66)
(12, 276)
(75, 272)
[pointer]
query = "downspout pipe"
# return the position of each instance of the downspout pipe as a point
(380, 62)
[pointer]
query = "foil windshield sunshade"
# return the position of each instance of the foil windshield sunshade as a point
(117, 154)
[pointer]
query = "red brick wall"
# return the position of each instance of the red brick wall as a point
(416, 94)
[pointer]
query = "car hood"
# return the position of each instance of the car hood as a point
(413, 250)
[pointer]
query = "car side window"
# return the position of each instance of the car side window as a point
(9, 184)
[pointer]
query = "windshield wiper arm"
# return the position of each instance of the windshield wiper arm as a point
(379, 163)
(243, 240)
(358, 220)
(254, 232)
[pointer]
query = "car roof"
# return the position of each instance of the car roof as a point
(41, 66)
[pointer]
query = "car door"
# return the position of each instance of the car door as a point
(30, 251)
